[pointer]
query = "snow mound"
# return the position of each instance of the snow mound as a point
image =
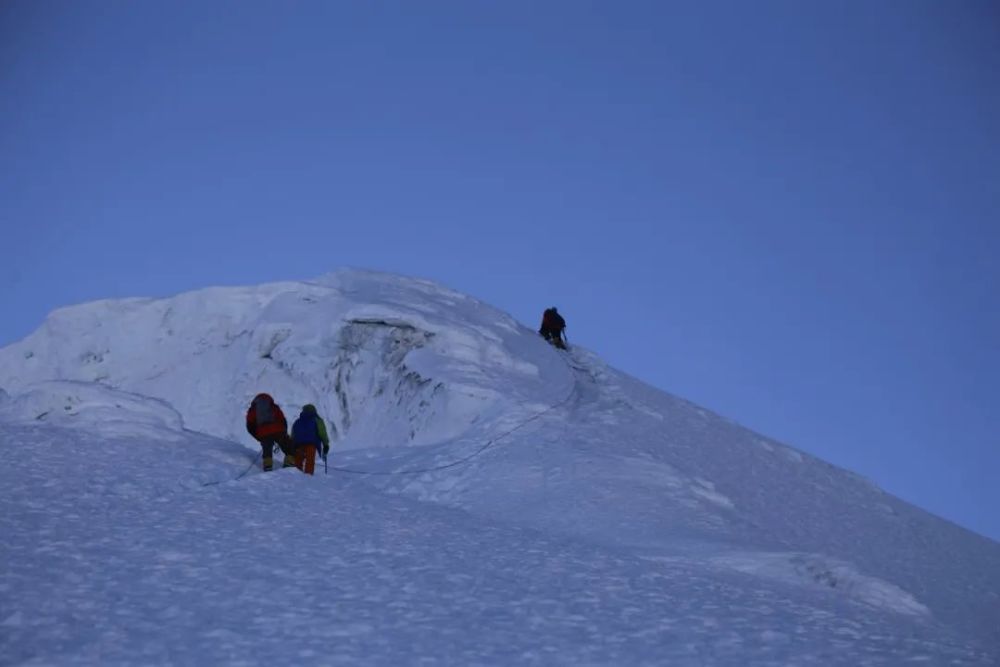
(91, 406)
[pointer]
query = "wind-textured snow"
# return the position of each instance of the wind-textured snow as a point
(490, 500)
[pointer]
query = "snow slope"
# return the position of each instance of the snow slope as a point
(490, 501)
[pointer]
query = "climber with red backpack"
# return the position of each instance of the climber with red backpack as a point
(267, 424)
(552, 327)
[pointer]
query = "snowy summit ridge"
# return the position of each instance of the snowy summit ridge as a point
(577, 514)
(339, 342)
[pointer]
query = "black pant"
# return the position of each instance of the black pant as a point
(553, 336)
(283, 442)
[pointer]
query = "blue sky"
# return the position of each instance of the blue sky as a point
(787, 212)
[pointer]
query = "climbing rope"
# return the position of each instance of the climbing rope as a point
(462, 460)
(238, 477)
(247, 471)
(465, 459)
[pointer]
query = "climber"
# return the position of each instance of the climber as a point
(309, 435)
(267, 424)
(552, 327)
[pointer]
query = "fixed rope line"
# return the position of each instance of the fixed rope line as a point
(238, 477)
(465, 459)
(252, 464)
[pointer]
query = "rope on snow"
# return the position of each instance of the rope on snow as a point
(474, 454)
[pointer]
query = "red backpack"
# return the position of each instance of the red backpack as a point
(265, 418)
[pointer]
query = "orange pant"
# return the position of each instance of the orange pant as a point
(305, 458)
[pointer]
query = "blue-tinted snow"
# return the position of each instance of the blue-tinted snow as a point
(525, 506)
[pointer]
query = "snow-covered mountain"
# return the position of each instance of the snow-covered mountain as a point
(490, 500)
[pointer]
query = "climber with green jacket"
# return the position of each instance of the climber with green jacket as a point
(309, 435)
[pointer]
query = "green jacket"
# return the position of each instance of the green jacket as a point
(321, 427)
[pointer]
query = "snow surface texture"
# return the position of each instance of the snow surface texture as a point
(490, 500)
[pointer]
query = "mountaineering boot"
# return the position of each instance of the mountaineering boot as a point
(268, 464)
